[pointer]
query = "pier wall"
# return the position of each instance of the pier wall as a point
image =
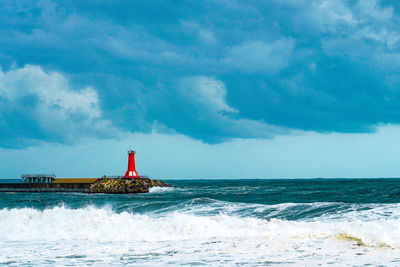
(44, 187)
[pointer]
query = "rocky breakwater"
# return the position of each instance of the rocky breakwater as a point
(125, 186)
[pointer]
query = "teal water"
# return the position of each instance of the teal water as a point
(208, 222)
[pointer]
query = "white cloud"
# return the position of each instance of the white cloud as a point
(208, 96)
(383, 35)
(329, 15)
(355, 29)
(206, 92)
(364, 19)
(372, 9)
(48, 99)
(203, 34)
(258, 56)
(376, 23)
(207, 36)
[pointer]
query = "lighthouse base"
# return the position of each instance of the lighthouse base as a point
(132, 174)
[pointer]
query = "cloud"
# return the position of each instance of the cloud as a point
(346, 22)
(364, 19)
(370, 40)
(258, 56)
(219, 70)
(38, 105)
(205, 100)
(207, 93)
(207, 36)
(325, 16)
(203, 34)
(372, 9)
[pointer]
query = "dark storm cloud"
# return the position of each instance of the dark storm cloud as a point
(213, 70)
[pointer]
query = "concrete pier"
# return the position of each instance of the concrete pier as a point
(44, 187)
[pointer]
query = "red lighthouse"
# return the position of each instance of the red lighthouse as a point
(131, 172)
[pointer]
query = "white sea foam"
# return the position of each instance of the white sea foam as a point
(158, 189)
(102, 224)
(103, 236)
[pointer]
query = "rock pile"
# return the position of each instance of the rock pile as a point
(125, 186)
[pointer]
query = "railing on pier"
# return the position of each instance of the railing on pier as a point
(75, 180)
(37, 175)
(118, 177)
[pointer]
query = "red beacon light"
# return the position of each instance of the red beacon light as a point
(131, 172)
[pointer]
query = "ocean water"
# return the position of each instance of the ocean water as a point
(336, 222)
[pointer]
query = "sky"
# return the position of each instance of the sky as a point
(201, 89)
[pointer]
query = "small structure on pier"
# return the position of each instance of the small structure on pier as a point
(38, 178)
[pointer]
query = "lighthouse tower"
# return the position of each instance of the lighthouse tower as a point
(131, 172)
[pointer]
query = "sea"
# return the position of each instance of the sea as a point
(276, 222)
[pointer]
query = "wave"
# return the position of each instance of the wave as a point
(157, 189)
(205, 206)
(103, 224)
